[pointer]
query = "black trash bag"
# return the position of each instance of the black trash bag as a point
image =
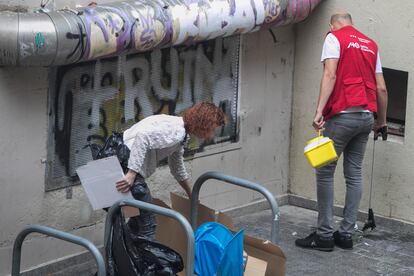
(145, 224)
(114, 145)
(136, 256)
(118, 261)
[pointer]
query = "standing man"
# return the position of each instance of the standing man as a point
(352, 89)
(158, 137)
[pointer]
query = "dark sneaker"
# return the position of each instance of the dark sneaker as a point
(343, 241)
(314, 241)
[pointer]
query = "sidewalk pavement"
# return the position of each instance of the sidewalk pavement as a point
(384, 251)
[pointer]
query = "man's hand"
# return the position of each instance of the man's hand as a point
(318, 121)
(378, 125)
(380, 128)
(125, 184)
(327, 86)
(382, 102)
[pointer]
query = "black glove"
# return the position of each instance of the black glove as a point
(383, 131)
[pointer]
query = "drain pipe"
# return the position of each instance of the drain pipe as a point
(99, 31)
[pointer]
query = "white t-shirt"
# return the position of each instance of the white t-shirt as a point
(332, 49)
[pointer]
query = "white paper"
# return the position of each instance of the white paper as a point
(99, 178)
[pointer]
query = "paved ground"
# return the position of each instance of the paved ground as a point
(384, 251)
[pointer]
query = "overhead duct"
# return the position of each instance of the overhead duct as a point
(70, 36)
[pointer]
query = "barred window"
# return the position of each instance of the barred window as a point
(88, 101)
(396, 82)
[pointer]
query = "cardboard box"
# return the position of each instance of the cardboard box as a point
(264, 258)
(255, 266)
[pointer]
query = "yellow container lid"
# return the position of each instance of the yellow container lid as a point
(316, 142)
(314, 139)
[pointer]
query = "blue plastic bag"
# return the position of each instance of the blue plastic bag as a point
(231, 263)
(218, 251)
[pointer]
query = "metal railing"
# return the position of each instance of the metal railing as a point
(156, 209)
(161, 211)
(17, 248)
(238, 182)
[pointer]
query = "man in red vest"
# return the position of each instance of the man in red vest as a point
(352, 89)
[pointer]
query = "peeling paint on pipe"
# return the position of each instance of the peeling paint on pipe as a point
(70, 36)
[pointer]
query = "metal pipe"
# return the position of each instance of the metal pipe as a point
(17, 248)
(88, 33)
(158, 210)
(238, 182)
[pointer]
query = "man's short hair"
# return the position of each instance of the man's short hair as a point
(341, 17)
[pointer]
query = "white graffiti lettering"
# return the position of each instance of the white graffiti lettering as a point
(95, 98)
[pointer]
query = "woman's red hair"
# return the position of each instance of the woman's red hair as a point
(202, 118)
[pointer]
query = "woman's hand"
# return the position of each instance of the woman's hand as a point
(185, 184)
(125, 184)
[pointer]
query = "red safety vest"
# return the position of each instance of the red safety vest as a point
(355, 76)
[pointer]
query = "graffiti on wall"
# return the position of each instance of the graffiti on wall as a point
(91, 100)
(143, 25)
(67, 36)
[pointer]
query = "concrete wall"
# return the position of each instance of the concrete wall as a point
(390, 23)
(260, 155)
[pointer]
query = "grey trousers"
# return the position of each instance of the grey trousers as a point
(350, 132)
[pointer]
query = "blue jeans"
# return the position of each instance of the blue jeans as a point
(350, 132)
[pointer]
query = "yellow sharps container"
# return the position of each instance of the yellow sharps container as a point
(320, 151)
